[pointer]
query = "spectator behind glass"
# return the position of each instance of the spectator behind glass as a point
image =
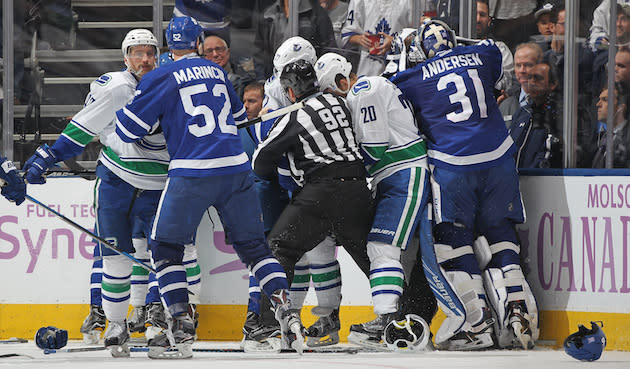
(621, 130)
(371, 25)
(513, 20)
(483, 32)
(555, 56)
(273, 30)
(537, 126)
(600, 62)
(544, 26)
(214, 16)
(527, 55)
(337, 11)
(598, 39)
(217, 50)
(622, 68)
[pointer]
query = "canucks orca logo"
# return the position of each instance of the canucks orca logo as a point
(361, 85)
(383, 26)
(296, 47)
(321, 65)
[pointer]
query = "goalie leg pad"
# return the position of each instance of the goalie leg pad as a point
(514, 306)
(454, 277)
(386, 276)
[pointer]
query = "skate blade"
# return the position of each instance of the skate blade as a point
(180, 351)
(92, 338)
(119, 350)
(298, 343)
(481, 342)
(271, 344)
(521, 338)
(365, 340)
(331, 339)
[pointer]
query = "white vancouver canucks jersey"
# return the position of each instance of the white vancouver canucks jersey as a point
(385, 128)
(143, 164)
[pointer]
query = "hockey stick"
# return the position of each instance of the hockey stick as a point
(273, 114)
(283, 351)
(103, 241)
(75, 349)
(468, 41)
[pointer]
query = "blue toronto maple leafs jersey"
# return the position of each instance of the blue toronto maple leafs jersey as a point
(452, 94)
(195, 105)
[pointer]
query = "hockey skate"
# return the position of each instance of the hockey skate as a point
(518, 321)
(156, 320)
(258, 337)
(93, 325)
(325, 331)
(290, 322)
(137, 318)
(117, 338)
(175, 342)
(479, 339)
(370, 334)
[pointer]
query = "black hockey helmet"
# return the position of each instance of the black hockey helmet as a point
(301, 77)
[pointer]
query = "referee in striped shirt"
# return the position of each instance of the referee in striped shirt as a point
(324, 158)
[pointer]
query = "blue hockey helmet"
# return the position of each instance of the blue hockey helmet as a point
(434, 36)
(182, 33)
(586, 344)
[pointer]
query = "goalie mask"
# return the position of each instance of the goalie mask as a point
(411, 333)
(434, 36)
(586, 344)
(328, 67)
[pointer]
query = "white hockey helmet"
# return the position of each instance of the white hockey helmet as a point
(293, 49)
(137, 37)
(328, 67)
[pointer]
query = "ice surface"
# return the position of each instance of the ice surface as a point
(540, 358)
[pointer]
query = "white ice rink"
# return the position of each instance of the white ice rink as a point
(540, 358)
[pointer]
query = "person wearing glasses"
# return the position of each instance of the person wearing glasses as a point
(216, 49)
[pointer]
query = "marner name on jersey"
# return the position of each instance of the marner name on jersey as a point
(448, 63)
(198, 72)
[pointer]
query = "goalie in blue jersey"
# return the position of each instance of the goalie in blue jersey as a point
(476, 192)
(193, 102)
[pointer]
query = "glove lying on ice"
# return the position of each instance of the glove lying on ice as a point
(36, 165)
(51, 338)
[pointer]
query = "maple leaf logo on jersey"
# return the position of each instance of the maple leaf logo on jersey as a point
(383, 26)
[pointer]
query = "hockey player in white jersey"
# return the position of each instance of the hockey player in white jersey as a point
(395, 156)
(130, 176)
(374, 19)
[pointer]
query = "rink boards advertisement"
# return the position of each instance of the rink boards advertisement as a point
(575, 244)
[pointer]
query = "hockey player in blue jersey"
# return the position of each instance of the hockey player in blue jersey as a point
(476, 191)
(13, 186)
(194, 104)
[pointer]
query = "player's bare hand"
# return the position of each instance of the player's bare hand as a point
(362, 40)
(386, 45)
(263, 111)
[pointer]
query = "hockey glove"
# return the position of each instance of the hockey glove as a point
(51, 338)
(14, 188)
(36, 165)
